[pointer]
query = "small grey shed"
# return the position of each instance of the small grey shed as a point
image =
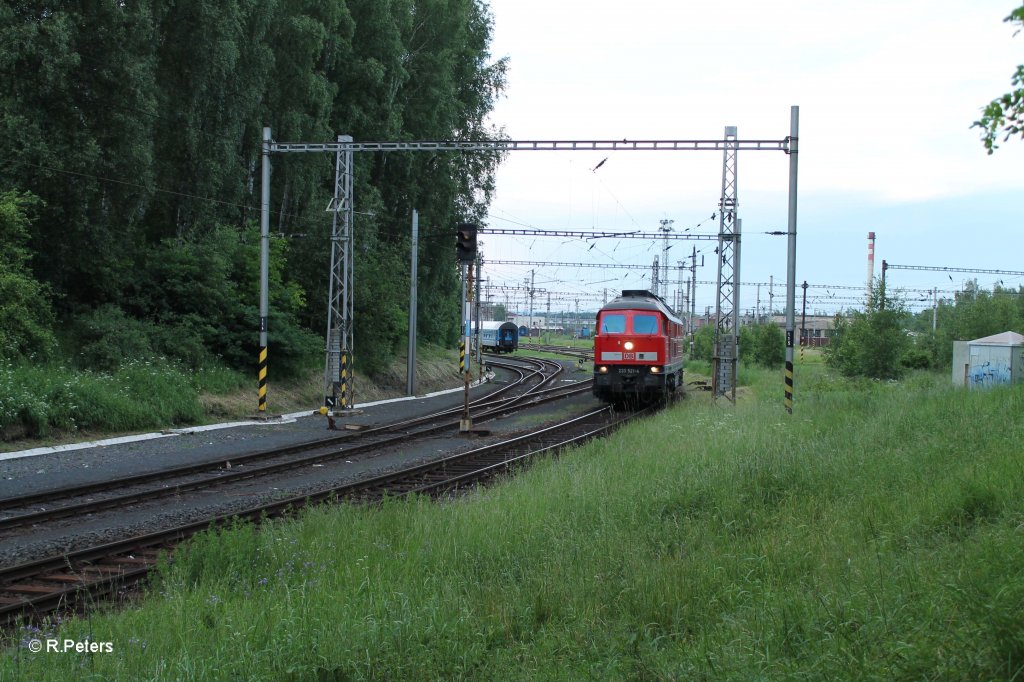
(997, 359)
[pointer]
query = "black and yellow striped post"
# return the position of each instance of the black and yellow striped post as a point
(344, 380)
(263, 380)
(788, 400)
(789, 386)
(462, 356)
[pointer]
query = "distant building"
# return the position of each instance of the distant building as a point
(993, 360)
(817, 331)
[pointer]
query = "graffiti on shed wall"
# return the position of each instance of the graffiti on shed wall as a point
(989, 374)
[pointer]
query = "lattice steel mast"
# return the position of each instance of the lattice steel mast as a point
(337, 373)
(727, 306)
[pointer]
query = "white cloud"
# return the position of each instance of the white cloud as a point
(887, 92)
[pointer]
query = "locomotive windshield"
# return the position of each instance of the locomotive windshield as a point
(645, 324)
(613, 323)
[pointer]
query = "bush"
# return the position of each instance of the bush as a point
(106, 337)
(916, 358)
(35, 401)
(763, 344)
(872, 343)
(26, 318)
(704, 344)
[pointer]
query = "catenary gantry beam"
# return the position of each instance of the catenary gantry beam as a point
(890, 266)
(530, 232)
(340, 325)
(532, 145)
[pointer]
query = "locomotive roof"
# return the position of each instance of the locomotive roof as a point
(637, 299)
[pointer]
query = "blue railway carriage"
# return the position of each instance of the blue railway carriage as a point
(499, 337)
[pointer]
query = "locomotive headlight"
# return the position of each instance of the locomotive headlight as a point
(628, 345)
(655, 370)
(602, 369)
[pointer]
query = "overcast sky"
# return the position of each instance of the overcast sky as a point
(887, 92)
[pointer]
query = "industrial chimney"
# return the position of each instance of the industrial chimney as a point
(871, 262)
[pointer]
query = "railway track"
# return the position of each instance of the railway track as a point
(587, 354)
(50, 505)
(75, 580)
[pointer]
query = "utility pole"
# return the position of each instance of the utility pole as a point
(547, 324)
(803, 318)
(410, 373)
(465, 358)
(794, 136)
(264, 271)
(488, 304)
(679, 290)
(693, 291)
(666, 227)
(881, 290)
(684, 307)
(654, 277)
(532, 272)
(476, 320)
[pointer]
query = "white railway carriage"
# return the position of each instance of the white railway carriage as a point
(499, 337)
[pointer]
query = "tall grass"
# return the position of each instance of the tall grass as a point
(876, 533)
(39, 401)
(55, 401)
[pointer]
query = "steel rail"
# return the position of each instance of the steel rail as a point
(71, 580)
(243, 458)
(239, 472)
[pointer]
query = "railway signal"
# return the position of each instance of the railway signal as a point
(465, 243)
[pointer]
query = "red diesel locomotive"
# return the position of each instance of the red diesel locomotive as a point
(638, 349)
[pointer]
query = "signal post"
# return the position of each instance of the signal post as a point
(465, 251)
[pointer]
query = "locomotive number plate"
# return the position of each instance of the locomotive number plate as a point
(628, 370)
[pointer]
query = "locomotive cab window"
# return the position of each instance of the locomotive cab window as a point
(645, 324)
(613, 323)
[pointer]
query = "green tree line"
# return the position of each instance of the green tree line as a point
(885, 339)
(130, 172)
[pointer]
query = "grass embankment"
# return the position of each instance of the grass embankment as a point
(877, 533)
(42, 405)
